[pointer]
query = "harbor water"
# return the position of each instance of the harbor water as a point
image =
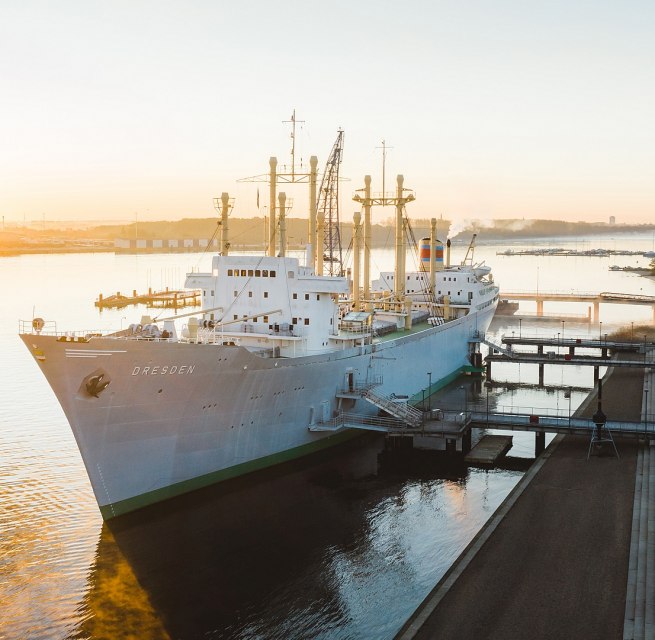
(342, 545)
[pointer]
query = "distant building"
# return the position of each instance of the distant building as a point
(612, 219)
(170, 245)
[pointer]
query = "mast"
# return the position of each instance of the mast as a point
(292, 122)
(401, 198)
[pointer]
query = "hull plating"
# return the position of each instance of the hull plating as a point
(155, 419)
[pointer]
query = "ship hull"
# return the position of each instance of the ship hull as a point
(157, 419)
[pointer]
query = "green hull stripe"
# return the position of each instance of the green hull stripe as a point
(158, 495)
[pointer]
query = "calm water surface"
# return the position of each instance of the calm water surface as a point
(339, 548)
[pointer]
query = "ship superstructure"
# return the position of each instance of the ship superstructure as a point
(169, 405)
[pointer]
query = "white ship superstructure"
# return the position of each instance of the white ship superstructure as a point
(167, 406)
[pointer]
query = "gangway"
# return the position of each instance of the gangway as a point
(505, 421)
(398, 409)
(496, 347)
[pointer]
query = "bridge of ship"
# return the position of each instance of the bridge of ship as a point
(580, 296)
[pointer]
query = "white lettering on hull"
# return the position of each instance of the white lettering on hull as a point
(162, 370)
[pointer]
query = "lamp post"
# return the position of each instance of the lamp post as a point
(429, 390)
(600, 330)
(487, 386)
(567, 394)
(563, 330)
(123, 318)
(519, 327)
(466, 400)
(646, 409)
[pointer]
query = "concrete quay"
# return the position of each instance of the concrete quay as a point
(569, 553)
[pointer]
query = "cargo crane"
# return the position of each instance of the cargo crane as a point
(327, 207)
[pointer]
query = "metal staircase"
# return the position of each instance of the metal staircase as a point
(508, 352)
(400, 410)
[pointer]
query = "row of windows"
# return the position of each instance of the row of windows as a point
(265, 320)
(423, 277)
(295, 295)
(249, 273)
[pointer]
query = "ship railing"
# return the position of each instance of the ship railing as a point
(49, 328)
(38, 326)
(352, 327)
(346, 419)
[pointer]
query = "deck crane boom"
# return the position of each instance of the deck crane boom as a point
(327, 207)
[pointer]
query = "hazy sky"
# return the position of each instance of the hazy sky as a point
(493, 108)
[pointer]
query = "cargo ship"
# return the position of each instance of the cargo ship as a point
(280, 347)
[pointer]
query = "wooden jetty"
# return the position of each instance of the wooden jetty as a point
(488, 451)
(166, 299)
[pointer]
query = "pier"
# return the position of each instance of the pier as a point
(165, 299)
(605, 297)
(488, 451)
(590, 253)
(569, 552)
(507, 353)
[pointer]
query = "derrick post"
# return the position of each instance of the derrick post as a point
(313, 163)
(283, 224)
(541, 374)
(356, 250)
(225, 236)
(367, 242)
(399, 283)
(433, 258)
(539, 443)
(272, 226)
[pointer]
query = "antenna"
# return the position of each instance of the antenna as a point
(384, 162)
(292, 122)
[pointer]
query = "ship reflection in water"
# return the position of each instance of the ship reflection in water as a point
(319, 548)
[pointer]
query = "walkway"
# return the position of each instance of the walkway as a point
(553, 561)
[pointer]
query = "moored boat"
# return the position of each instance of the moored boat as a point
(258, 374)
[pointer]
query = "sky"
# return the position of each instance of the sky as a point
(146, 110)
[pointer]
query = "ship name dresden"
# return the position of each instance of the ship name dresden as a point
(184, 369)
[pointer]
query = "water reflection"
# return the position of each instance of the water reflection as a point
(327, 550)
